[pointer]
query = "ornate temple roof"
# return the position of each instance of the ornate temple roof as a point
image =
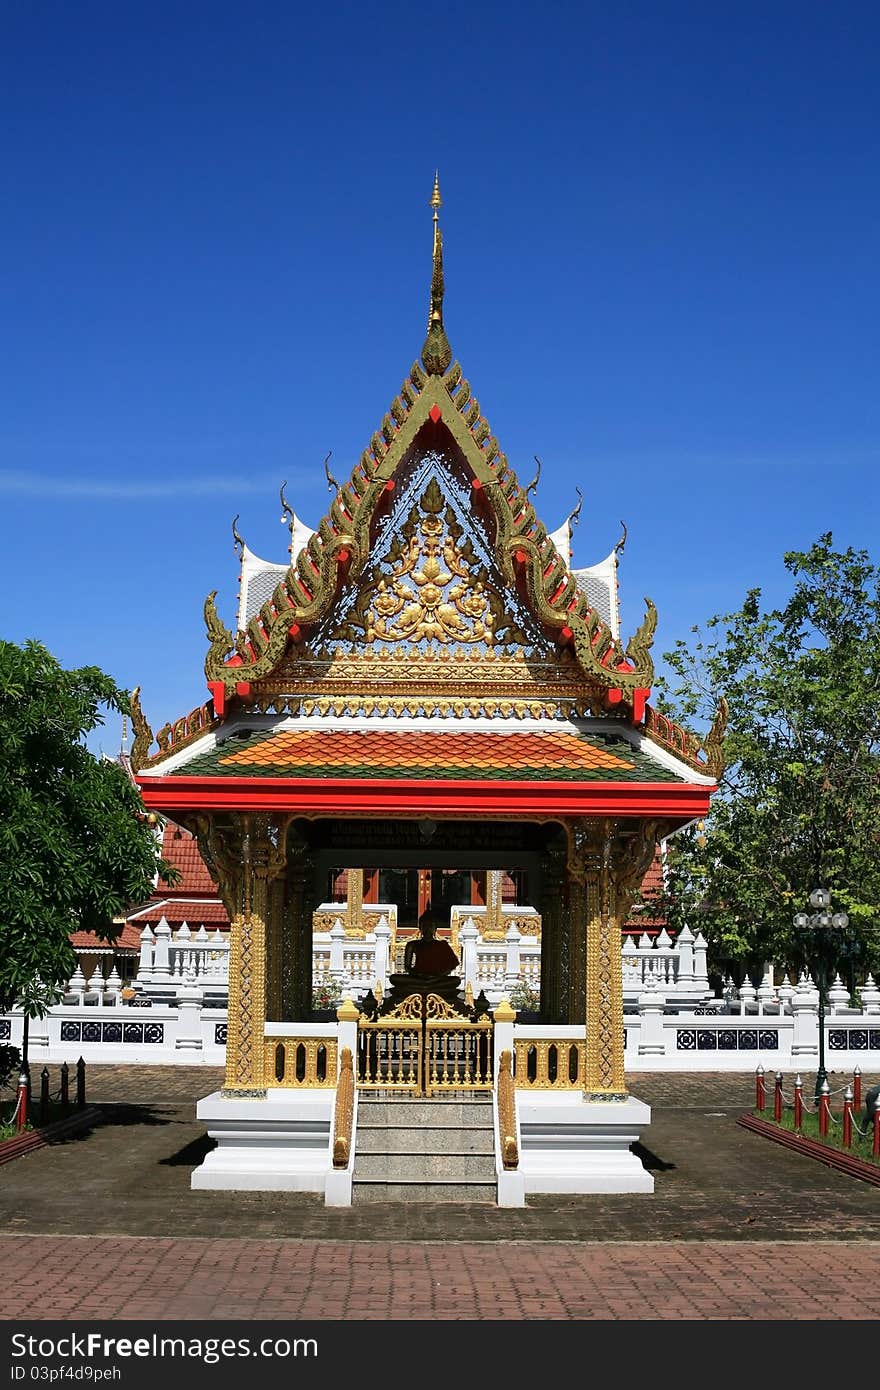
(431, 592)
(450, 754)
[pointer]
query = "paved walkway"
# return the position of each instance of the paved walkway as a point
(737, 1227)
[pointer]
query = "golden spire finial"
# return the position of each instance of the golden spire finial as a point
(436, 353)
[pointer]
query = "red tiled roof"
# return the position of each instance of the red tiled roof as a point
(178, 910)
(129, 939)
(652, 887)
(181, 850)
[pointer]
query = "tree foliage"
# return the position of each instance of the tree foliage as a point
(799, 801)
(75, 847)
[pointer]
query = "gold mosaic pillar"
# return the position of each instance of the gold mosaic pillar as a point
(607, 860)
(263, 860)
(493, 922)
(354, 897)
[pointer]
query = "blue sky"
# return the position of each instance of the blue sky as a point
(661, 231)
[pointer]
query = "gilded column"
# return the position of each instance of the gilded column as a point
(262, 861)
(590, 849)
(608, 859)
(355, 903)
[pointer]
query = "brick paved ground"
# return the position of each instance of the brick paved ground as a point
(737, 1227)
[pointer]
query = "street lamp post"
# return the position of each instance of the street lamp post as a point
(820, 921)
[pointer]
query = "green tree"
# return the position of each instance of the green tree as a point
(76, 848)
(799, 801)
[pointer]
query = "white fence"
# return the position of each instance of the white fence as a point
(724, 1036)
(348, 963)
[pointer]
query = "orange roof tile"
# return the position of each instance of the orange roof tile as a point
(468, 752)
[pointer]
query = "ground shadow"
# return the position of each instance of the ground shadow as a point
(650, 1160)
(121, 1113)
(191, 1155)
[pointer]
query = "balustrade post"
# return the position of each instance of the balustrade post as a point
(512, 957)
(847, 1118)
(144, 974)
(347, 1016)
(684, 944)
(504, 1018)
(468, 937)
(161, 973)
(380, 960)
(337, 949)
(824, 1108)
(21, 1102)
(701, 963)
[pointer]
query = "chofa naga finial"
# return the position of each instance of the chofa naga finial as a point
(436, 353)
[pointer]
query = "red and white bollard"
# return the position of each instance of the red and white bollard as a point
(857, 1087)
(760, 1095)
(798, 1103)
(21, 1102)
(824, 1108)
(777, 1098)
(847, 1117)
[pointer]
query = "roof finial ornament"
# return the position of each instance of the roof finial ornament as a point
(574, 517)
(618, 549)
(331, 481)
(287, 515)
(237, 542)
(436, 353)
(530, 488)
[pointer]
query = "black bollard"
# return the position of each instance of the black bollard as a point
(872, 1105)
(44, 1095)
(65, 1085)
(80, 1082)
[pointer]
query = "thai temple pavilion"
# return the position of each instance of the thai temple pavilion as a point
(428, 684)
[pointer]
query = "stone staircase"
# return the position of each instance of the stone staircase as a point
(439, 1150)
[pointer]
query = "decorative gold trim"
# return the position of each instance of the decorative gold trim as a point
(344, 1111)
(551, 1060)
(309, 1059)
(430, 587)
(436, 353)
(431, 1006)
(660, 729)
(143, 734)
(507, 1112)
(713, 744)
(171, 738)
(310, 586)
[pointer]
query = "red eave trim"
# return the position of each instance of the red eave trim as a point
(369, 796)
